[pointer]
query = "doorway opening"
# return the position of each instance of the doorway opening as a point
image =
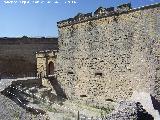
(51, 68)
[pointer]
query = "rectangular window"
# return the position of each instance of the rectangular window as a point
(70, 72)
(98, 74)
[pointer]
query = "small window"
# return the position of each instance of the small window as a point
(83, 95)
(70, 72)
(98, 74)
(110, 100)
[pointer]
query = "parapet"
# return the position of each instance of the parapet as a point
(100, 13)
(78, 18)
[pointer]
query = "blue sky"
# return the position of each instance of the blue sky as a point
(40, 19)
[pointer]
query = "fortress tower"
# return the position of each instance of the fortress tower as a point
(109, 54)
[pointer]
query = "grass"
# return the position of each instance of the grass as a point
(36, 101)
(97, 110)
(107, 110)
(16, 116)
(51, 109)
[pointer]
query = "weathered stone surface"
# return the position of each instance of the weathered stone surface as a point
(110, 57)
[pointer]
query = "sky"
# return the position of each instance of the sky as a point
(37, 18)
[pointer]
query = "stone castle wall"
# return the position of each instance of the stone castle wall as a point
(108, 55)
(18, 55)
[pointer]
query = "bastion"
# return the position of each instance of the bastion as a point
(109, 54)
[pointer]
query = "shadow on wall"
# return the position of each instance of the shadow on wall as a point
(156, 104)
(16, 66)
(57, 87)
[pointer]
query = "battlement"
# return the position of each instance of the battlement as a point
(101, 13)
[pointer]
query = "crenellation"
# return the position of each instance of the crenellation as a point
(82, 17)
(124, 7)
(102, 13)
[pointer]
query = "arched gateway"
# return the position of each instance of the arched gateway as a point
(45, 62)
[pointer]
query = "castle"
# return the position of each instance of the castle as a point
(107, 55)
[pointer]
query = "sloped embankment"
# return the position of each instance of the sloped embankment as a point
(9, 110)
(13, 102)
(30, 97)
